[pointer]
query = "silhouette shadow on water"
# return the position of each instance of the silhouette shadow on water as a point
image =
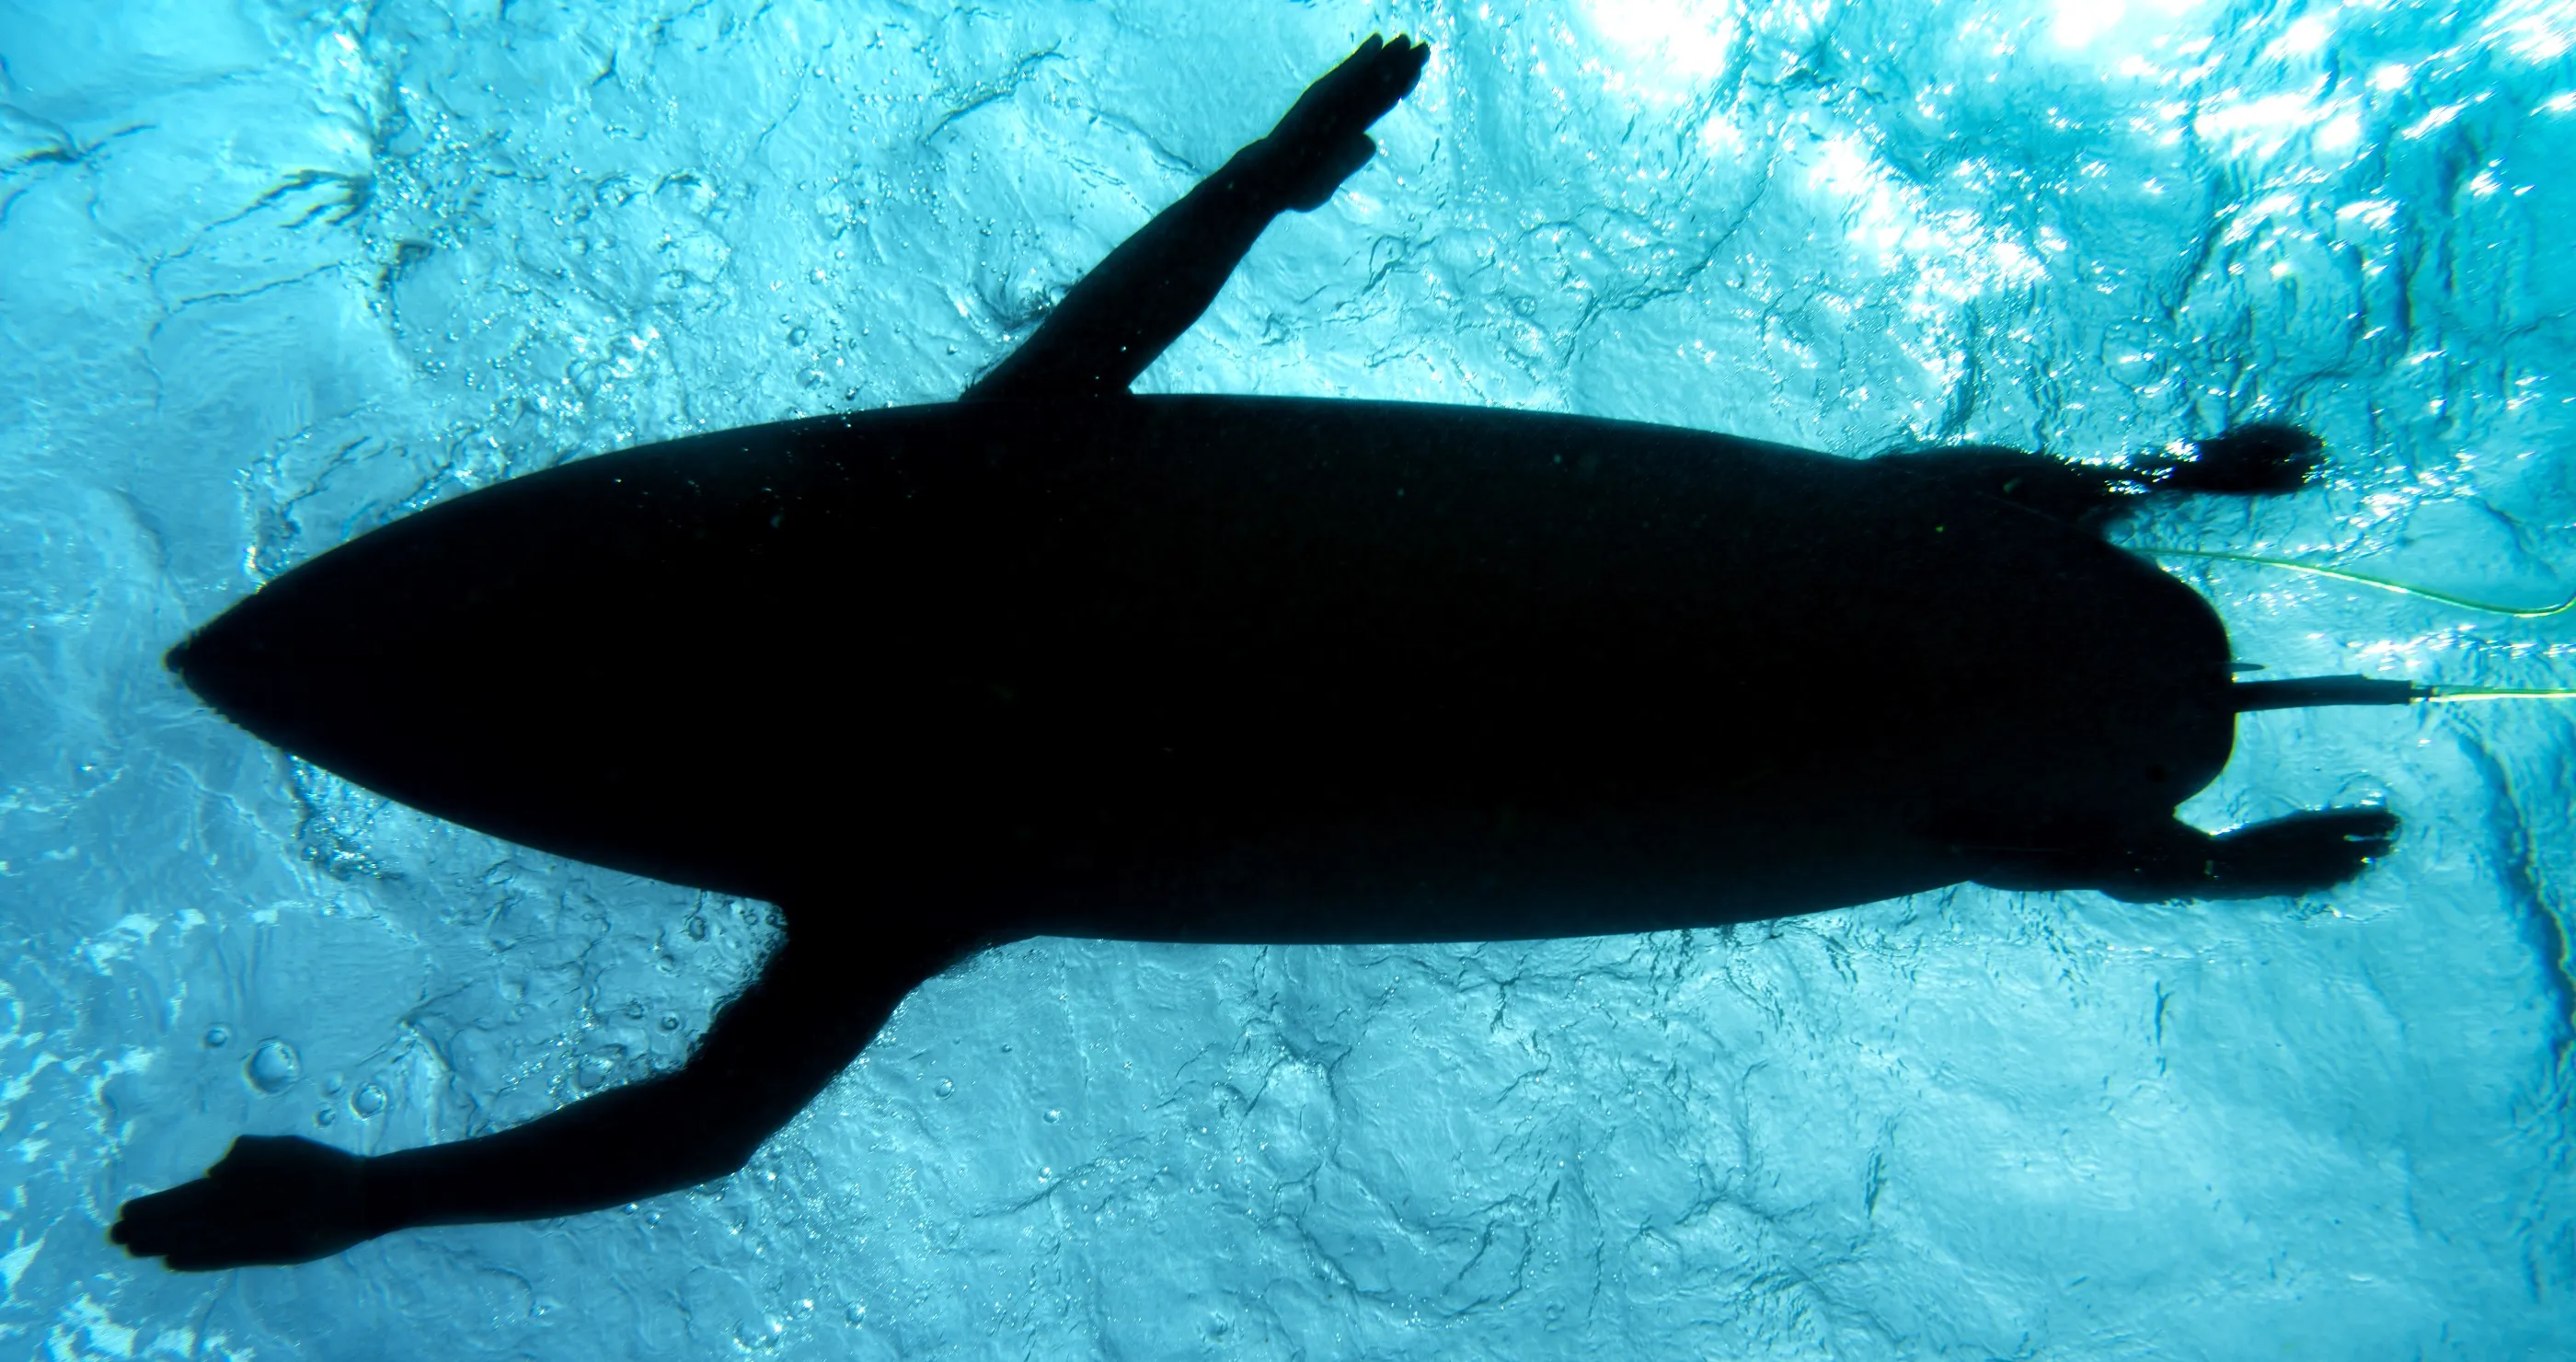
(1055, 659)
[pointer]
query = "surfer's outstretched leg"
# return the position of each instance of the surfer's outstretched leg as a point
(1133, 304)
(2300, 854)
(2255, 460)
(816, 1003)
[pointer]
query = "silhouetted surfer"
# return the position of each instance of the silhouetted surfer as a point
(1059, 660)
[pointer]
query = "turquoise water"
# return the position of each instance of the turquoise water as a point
(273, 274)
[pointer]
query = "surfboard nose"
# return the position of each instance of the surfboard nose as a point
(205, 658)
(256, 665)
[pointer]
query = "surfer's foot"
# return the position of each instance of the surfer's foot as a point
(2300, 854)
(2253, 460)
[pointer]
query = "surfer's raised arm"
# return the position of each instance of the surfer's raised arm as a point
(1118, 318)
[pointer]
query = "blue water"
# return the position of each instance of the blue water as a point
(271, 274)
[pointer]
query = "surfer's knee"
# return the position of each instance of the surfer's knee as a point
(718, 1159)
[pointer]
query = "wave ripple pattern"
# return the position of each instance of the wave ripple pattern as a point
(272, 273)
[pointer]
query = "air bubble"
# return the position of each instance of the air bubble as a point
(273, 1067)
(942, 1088)
(670, 1021)
(325, 1116)
(368, 1101)
(218, 1037)
(593, 1071)
(1054, 1114)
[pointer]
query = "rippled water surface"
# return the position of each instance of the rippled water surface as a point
(271, 274)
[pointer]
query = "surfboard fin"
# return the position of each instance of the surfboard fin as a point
(2307, 691)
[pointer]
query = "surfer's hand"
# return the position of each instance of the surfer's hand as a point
(1325, 135)
(272, 1199)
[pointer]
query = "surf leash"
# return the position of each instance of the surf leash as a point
(2533, 612)
(2361, 690)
